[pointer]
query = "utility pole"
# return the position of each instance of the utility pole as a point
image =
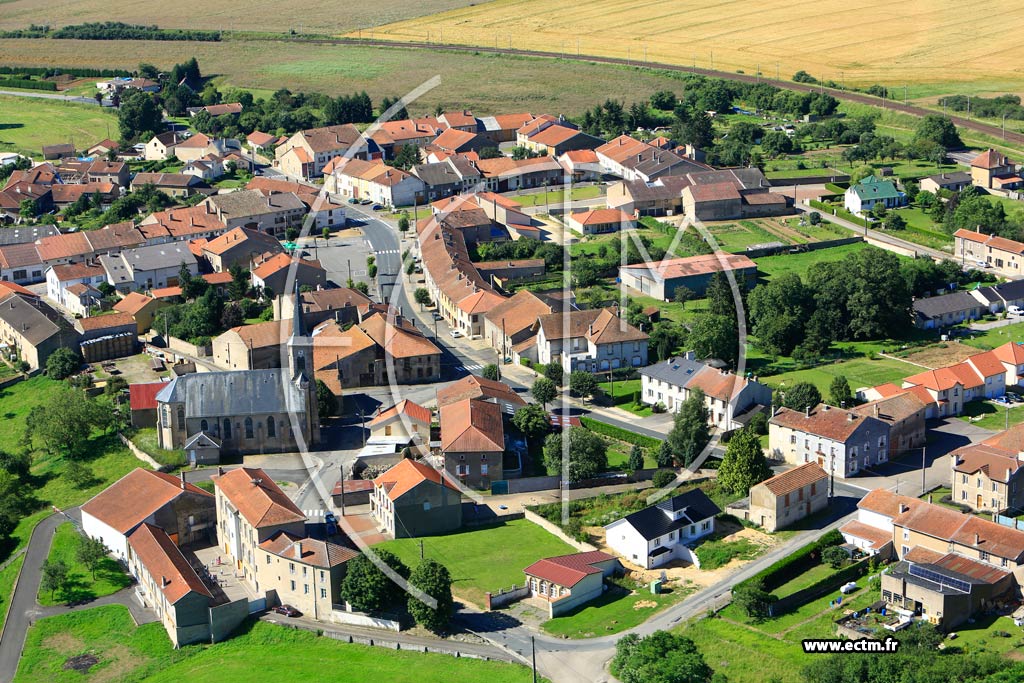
(533, 646)
(924, 469)
(421, 549)
(905, 99)
(1004, 126)
(342, 489)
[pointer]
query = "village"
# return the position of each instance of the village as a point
(484, 384)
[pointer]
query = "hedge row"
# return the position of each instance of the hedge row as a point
(116, 30)
(621, 434)
(27, 84)
(819, 588)
(785, 569)
(77, 72)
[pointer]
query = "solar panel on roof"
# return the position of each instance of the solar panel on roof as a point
(934, 576)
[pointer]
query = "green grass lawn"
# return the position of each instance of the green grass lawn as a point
(483, 559)
(16, 401)
(618, 454)
(997, 336)
(718, 552)
(110, 578)
(736, 237)
(770, 266)
(129, 653)
(993, 415)
(146, 440)
(558, 196)
(31, 122)
(624, 391)
(804, 580)
(859, 372)
(620, 608)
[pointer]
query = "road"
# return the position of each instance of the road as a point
(49, 96)
(883, 237)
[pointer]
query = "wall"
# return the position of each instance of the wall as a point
(556, 531)
(809, 180)
(814, 246)
(182, 346)
(507, 597)
(139, 453)
(530, 484)
(340, 616)
(225, 618)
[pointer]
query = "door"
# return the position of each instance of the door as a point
(978, 506)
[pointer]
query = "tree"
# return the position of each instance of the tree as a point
(406, 157)
(491, 372)
(291, 233)
(326, 401)
(432, 578)
(64, 421)
(682, 294)
(814, 218)
(800, 396)
(664, 100)
(719, 295)
(62, 363)
(636, 458)
(532, 420)
(325, 233)
(715, 336)
(834, 556)
(839, 393)
(554, 372)
(139, 116)
(938, 129)
(422, 296)
(91, 552)
(690, 431)
(744, 463)
(587, 453)
(895, 222)
(582, 383)
(403, 223)
(878, 210)
(753, 599)
(366, 587)
(78, 475)
(661, 657)
(239, 284)
(778, 310)
(54, 576)
(544, 391)
(664, 456)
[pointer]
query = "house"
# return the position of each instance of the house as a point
(661, 279)
(64, 196)
(664, 532)
(73, 286)
(594, 340)
(373, 180)
(991, 170)
(730, 400)
(251, 347)
(102, 337)
(238, 247)
(456, 141)
(786, 498)
(103, 147)
(184, 511)
(987, 477)
(946, 310)
(504, 174)
(1011, 355)
(600, 221)
(706, 195)
(982, 376)
(631, 159)
(905, 413)
(30, 330)
(841, 441)
(550, 136)
(141, 308)
(391, 136)
(25, 234)
(997, 298)
(509, 326)
(872, 190)
(217, 109)
(161, 146)
(171, 184)
(872, 531)
(260, 142)
(273, 213)
(149, 268)
(473, 442)
(454, 175)
(581, 165)
(567, 582)
(482, 389)
(142, 403)
(273, 274)
(406, 421)
(413, 499)
(1002, 255)
(190, 223)
(305, 153)
(20, 264)
(199, 146)
(64, 150)
(341, 304)
(497, 208)
(305, 573)
(503, 127)
(944, 387)
(113, 172)
(252, 509)
(950, 182)
(168, 583)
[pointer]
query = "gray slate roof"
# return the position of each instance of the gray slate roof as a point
(237, 393)
(25, 235)
(28, 318)
(677, 371)
(170, 255)
(937, 306)
(657, 520)
(1008, 291)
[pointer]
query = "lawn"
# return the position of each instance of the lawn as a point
(717, 552)
(989, 415)
(110, 578)
(28, 123)
(146, 440)
(770, 266)
(801, 581)
(623, 606)
(623, 393)
(736, 237)
(16, 401)
(558, 196)
(997, 336)
(127, 652)
(859, 372)
(483, 559)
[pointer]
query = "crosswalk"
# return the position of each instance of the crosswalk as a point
(387, 251)
(313, 513)
(469, 368)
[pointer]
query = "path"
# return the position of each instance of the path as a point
(49, 96)
(884, 238)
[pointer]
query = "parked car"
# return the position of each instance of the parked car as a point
(377, 207)
(365, 201)
(353, 200)
(437, 316)
(455, 334)
(1014, 310)
(1000, 399)
(329, 518)
(288, 611)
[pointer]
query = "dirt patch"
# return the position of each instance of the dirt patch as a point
(122, 661)
(81, 663)
(941, 355)
(644, 604)
(63, 642)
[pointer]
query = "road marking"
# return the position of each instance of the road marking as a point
(469, 367)
(387, 251)
(314, 513)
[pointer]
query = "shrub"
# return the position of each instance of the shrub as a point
(834, 556)
(663, 478)
(621, 434)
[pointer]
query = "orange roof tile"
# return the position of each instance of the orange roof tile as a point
(795, 479)
(316, 553)
(131, 499)
(405, 407)
(568, 570)
(165, 564)
(101, 322)
(407, 475)
(477, 387)
(471, 426)
(875, 536)
(257, 498)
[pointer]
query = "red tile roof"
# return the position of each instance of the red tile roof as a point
(257, 497)
(102, 322)
(1010, 352)
(939, 379)
(407, 475)
(477, 387)
(18, 289)
(568, 570)
(875, 536)
(886, 503)
(998, 463)
(472, 426)
(602, 217)
(989, 159)
(795, 479)
(405, 407)
(703, 264)
(321, 554)
(823, 420)
(166, 565)
(143, 396)
(131, 499)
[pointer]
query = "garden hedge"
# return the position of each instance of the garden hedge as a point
(619, 433)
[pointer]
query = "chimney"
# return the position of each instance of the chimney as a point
(876, 410)
(298, 550)
(827, 407)
(591, 331)
(220, 471)
(164, 581)
(977, 539)
(849, 417)
(807, 411)
(183, 480)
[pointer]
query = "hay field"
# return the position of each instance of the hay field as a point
(488, 84)
(875, 41)
(315, 16)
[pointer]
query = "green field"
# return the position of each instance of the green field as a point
(993, 415)
(8, 575)
(717, 552)
(997, 336)
(558, 196)
(110, 578)
(146, 440)
(859, 372)
(28, 123)
(129, 653)
(770, 266)
(736, 237)
(483, 559)
(620, 608)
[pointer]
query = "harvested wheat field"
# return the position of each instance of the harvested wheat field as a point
(919, 41)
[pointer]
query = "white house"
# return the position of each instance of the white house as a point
(595, 340)
(152, 267)
(872, 531)
(730, 400)
(870, 191)
(184, 511)
(664, 532)
(73, 286)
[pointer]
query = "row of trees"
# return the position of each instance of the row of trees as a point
(367, 588)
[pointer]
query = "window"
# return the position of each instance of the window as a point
(814, 488)
(995, 486)
(291, 567)
(305, 589)
(321, 574)
(271, 426)
(983, 556)
(906, 535)
(293, 585)
(963, 495)
(792, 439)
(483, 468)
(227, 428)
(248, 427)
(693, 529)
(706, 525)
(204, 425)
(268, 559)
(323, 593)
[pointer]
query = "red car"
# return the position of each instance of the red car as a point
(288, 611)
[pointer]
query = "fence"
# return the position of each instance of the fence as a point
(531, 484)
(809, 180)
(182, 346)
(1010, 521)
(341, 615)
(506, 597)
(138, 453)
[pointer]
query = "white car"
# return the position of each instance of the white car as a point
(1014, 310)
(455, 334)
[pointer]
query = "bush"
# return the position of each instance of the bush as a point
(834, 556)
(621, 434)
(785, 569)
(663, 478)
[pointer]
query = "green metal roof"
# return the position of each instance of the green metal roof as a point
(876, 189)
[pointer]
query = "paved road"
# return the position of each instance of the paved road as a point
(883, 237)
(49, 96)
